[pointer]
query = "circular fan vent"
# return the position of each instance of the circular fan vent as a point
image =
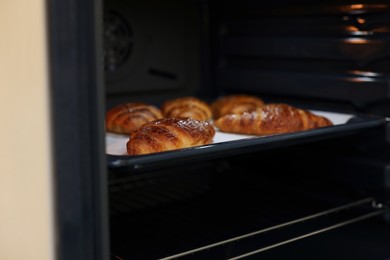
(118, 41)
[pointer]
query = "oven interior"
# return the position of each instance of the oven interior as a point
(323, 197)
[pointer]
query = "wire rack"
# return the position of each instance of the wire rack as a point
(206, 229)
(293, 231)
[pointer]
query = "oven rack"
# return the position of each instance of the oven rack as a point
(126, 163)
(371, 209)
(202, 229)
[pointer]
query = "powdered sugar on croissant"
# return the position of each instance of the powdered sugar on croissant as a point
(169, 134)
(271, 119)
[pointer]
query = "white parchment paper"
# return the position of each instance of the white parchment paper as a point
(116, 144)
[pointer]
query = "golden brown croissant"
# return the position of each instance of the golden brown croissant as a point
(128, 117)
(169, 134)
(235, 104)
(187, 107)
(271, 119)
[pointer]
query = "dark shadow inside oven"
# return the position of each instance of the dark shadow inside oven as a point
(254, 202)
(292, 202)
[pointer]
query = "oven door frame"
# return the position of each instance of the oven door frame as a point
(76, 78)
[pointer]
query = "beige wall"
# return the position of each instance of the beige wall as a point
(26, 214)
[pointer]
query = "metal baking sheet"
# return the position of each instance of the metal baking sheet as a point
(227, 143)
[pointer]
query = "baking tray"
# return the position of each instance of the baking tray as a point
(226, 144)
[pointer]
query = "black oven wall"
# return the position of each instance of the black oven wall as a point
(327, 53)
(330, 55)
(153, 49)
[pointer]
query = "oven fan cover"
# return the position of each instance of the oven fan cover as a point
(118, 41)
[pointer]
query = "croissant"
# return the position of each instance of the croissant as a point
(235, 104)
(187, 107)
(128, 117)
(169, 134)
(271, 119)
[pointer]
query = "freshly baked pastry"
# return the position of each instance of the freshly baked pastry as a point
(235, 104)
(128, 117)
(187, 107)
(169, 134)
(271, 119)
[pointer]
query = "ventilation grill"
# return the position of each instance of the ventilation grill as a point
(118, 41)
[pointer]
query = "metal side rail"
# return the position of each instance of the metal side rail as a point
(259, 241)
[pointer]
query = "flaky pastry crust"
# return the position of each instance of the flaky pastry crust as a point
(187, 107)
(128, 117)
(170, 134)
(235, 104)
(271, 119)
